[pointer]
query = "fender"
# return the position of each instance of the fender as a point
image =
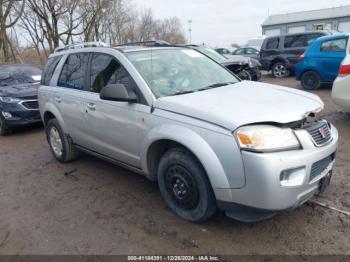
(192, 141)
(50, 107)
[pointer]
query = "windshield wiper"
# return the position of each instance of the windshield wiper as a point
(215, 85)
(184, 92)
(203, 88)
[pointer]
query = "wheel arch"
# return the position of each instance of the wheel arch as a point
(278, 60)
(50, 112)
(161, 139)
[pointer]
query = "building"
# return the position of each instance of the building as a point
(335, 18)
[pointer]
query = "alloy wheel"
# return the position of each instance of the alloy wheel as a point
(280, 71)
(56, 142)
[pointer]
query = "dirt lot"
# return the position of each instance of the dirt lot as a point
(104, 209)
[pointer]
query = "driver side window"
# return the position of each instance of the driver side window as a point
(106, 70)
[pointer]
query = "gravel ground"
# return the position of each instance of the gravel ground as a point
(104, 209)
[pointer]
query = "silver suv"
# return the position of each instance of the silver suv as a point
(179, 118)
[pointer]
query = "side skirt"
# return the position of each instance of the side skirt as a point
(111, 160)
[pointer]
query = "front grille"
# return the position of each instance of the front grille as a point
(320, 166)
(32, 104)
(320, 132)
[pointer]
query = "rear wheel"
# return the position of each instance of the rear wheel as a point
(4, 129)
(184, 186)
(311, 80)
(280, 70)
(60, 144)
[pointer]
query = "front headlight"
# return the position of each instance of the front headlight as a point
(254, 63)
(9, 100)
(265, 138)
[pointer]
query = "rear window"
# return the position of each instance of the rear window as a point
(73, 72)
(272, 43)
(337, 45)
(49, 70)
(294, 41)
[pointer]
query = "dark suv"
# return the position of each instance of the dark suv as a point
(280, 53)
(18, 96)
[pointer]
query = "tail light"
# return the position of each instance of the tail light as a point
(301, 57)
(344, 70)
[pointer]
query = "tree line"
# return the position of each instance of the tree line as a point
(32, 29)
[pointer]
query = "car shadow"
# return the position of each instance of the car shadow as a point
(25, 130)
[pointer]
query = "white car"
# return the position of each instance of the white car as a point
(341, 86)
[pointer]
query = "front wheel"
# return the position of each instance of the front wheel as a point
(244, 75)
(311, 80)
(280, 70)
(185, 187)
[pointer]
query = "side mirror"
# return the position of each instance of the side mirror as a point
(117, 92)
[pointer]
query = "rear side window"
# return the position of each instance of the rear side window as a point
(106, 70)
(73, 72)
(337, 45)
(295, 41)
(49, 70)
(272, 43)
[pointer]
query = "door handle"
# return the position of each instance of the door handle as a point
(58, 99)
(91, 106)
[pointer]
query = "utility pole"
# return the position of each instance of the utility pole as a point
(190, 30)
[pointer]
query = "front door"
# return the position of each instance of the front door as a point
(111, 126)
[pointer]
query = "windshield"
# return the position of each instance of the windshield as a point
(212, 54)
(16, 75)
(175, 71)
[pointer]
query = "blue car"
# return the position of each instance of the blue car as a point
(18, 96)
(320, 62)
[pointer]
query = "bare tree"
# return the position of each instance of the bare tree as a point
(46, 24)
(58, 19)
(10, 13)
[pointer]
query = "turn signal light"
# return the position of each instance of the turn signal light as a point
(344, 70)
(301, 57)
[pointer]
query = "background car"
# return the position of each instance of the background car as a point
(247, 51)
(18, 96)
(320, 63)
(223, 51)
(279, 54)
(245, 68)
(341, 86)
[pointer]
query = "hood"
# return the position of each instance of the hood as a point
(20, 91)
(236, 59)
(244, 103)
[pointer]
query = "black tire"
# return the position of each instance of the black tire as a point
(192, 198)
(310, 80)
(4, 128)
(68, 151)
(245, 75)
(280, 70)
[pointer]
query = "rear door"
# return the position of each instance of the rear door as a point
(70, 94)
(111, 126)
(332, 53)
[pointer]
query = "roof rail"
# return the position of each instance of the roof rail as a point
(80, 45)
(149, 43)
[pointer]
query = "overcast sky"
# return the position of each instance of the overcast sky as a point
(223, 22)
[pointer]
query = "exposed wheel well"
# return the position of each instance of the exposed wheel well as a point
(156, 151)
(48, 116)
